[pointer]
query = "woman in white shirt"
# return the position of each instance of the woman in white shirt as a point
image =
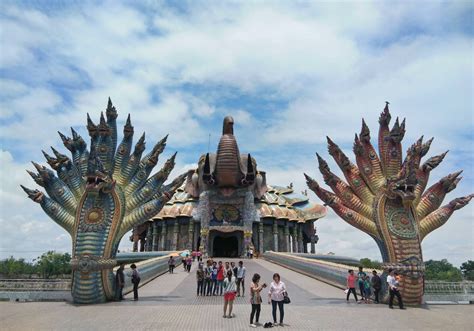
(229, 293)
(275, 297)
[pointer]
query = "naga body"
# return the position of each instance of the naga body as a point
(384, 196)
(99, 195)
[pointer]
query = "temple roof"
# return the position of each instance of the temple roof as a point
(278, 202)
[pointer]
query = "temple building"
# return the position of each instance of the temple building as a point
(226, 207)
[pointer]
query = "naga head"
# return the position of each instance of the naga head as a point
(402, 187)
(458, 203)
(97, 179)
(398, 131)
(61, 159)
(128, 128)
(433, 162)
(34, 195)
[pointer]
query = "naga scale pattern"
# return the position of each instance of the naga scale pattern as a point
(385, 196)
(99, 195)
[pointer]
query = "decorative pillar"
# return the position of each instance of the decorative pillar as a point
(295, 241)
(287, 236)
(135, 239)
(204, 242)
(174, 241)
(155, 236)
(260, 238)
(275, 235)
(313, 239)
(190, 244)
(149, 238)
(164, 232)
(300, 237)
(196, 236)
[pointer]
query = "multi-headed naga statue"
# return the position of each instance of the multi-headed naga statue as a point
(99, 196)
(385, 197)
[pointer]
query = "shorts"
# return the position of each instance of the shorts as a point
(229, 296)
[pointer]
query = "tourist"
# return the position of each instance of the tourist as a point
(229, 293)
(360, 281)
(220, 277)
(376, 284)
(241, 278)
(393, 289)
(200, 279)
(227, 268)
(189, 262)
(199, 256)
(183, 261)
(276, 294)
(194, 254)
(367, 291)
(234, 268)
(248, 252)
(208, 278)
(171, 263)
(119, 282)
(255, 299)
(214, 278)
(251, 252)
(135, 280)
(351, 278)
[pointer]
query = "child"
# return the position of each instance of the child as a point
(367, 289)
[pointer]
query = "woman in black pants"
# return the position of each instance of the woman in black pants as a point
(255, 299)
(276, 296)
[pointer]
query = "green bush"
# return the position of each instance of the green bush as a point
(369, 264)
(467, 269)
(442, 270)
(48, 265)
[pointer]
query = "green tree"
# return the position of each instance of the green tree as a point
(442, 270)
(467, 269)
(368, 263)
(13, 268)
(53, 264)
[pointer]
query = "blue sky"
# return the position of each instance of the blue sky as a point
(289, 72)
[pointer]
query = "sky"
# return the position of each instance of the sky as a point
(289, 72)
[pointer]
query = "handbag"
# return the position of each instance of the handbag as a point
(286, 298)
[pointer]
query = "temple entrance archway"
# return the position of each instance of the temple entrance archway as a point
(226, 244)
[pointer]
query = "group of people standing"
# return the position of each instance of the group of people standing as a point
(227, 279)
(277, 297)
(120, 281)
(211, 278)
(366, 284)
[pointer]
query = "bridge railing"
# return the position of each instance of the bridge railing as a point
(335, 274)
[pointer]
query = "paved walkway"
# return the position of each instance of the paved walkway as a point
(170, 303)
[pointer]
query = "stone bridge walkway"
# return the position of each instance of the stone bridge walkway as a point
(170, 303)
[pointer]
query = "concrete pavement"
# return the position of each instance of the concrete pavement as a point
(170, 303)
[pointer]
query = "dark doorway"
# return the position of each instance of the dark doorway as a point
(225, 247)
(198, 245)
